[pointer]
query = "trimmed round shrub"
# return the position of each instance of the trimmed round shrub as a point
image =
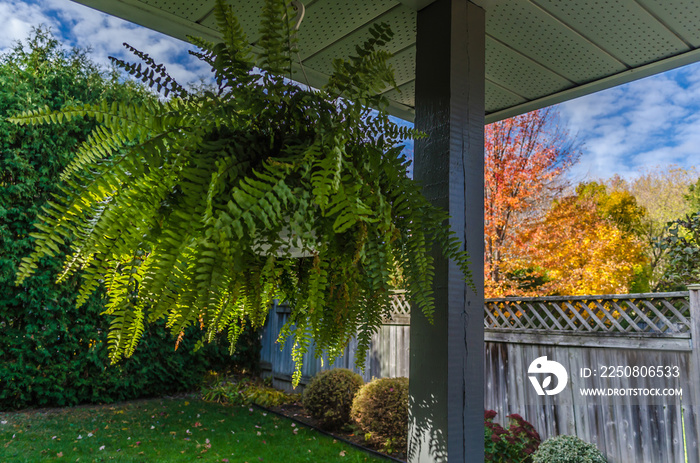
(328, 397)
(567, 449)
(380, 410)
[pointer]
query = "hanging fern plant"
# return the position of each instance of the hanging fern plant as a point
(185, 207)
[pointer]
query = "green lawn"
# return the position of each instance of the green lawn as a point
(165, 430)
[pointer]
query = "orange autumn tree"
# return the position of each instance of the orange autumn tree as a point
(525, 157)
(579, 250)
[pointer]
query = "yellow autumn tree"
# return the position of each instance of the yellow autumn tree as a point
(578, 251)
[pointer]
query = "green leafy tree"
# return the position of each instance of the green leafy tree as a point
(202, 208)
(661, 192)
(683, 247)
(693, 196)
(51, 352)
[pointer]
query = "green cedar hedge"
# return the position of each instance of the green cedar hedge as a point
(52, 353)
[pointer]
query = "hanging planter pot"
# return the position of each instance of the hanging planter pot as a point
(181, 205)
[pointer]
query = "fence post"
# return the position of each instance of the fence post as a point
(694, 380)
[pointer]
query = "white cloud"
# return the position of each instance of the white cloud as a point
(17, 19)
(78, 25)
(644, 123)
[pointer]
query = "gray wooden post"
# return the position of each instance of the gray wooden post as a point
(446, 418)
(692, 401)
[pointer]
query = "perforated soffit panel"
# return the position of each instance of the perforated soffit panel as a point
(538, 52)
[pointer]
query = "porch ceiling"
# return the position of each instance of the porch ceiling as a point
(538, 52)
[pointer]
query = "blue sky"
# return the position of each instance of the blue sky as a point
(624, 130)
(648, 123)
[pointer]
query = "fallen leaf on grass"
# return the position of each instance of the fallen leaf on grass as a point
(342, 453)
(59, 454)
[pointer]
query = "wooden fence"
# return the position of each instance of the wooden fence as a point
(387, 357)
(587, 335)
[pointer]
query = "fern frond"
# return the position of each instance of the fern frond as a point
(153, 75)
(187, 207)
(101, 144)
(276, 39)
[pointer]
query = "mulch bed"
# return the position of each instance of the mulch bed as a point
(297, 413)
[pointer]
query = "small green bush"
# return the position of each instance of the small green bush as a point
(567, 449)
(380, 410)
(245, 391)
(513, 445)
(328, 397)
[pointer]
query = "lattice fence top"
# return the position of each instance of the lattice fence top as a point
(648, 314)
(399, 309)
(400, 305)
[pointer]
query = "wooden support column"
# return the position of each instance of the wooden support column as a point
(446, 418)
